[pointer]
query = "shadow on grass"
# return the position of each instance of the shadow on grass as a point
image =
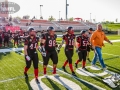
(53, 84)
(111, 69)
(28, 84)
(88, 85)
(112, 58)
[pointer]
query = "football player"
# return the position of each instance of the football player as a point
(69, 39)
(48, 49)
(0, 38)
(30, 47)
(6, 38)
(82, 42)
(16, 37)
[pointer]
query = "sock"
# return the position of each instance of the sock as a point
(54, 70)
(65, 63)
(83, 64)
(77, 61)
(44, 70)
(36, 73)
(26, 69)
(71, 68)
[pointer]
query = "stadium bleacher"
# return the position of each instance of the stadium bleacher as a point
(58, 25)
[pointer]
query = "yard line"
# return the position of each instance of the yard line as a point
(19, 77)
(116, 45)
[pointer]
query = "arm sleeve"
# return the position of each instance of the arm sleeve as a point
(63, 37)
(105, 38)
(43, 36)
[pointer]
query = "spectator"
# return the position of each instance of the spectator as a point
(96, 40)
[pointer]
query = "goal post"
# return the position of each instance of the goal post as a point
(119, 32)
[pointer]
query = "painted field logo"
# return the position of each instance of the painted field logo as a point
(9, 7)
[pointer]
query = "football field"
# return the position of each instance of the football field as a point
(12, 66)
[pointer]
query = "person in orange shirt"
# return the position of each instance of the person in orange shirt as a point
(96, 40)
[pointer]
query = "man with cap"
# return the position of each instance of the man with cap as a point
(82, 42)
(90, 31)
(48, 49)
(69, 39)
(0, 38)
(30, 47)
(6, 38)
(16, 38)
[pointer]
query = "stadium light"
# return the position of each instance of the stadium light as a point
(41, 11)
(90, 18)
(59, 16)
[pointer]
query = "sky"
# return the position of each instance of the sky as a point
(100, 10)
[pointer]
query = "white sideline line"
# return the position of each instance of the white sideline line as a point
(11, 79)
(111, 54)
(99, 88)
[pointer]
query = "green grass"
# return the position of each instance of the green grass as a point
(12, 66)
(113, 37)
(113, 27)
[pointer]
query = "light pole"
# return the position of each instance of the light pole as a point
(41, 11)
(90, 17)
(66, 9)
(59, 16)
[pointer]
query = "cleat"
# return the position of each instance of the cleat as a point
(104, 69)
(25, 74)
(56, 75)
(94, 66)
(76, 65)
(37, 81)
(45, 75)
(73, 73)
(88, 59)
(84, 69)
(64, 69)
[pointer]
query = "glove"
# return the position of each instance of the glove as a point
(43, 54)
(27, 58)
(77, 51)
(58, 50)
(39, 49)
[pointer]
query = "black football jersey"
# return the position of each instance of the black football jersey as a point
(69, 40)
(32, 44)
(16, 36)
(0, 38)
(50, 43)
(6, 35)
(82, 42)
(26, 33)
